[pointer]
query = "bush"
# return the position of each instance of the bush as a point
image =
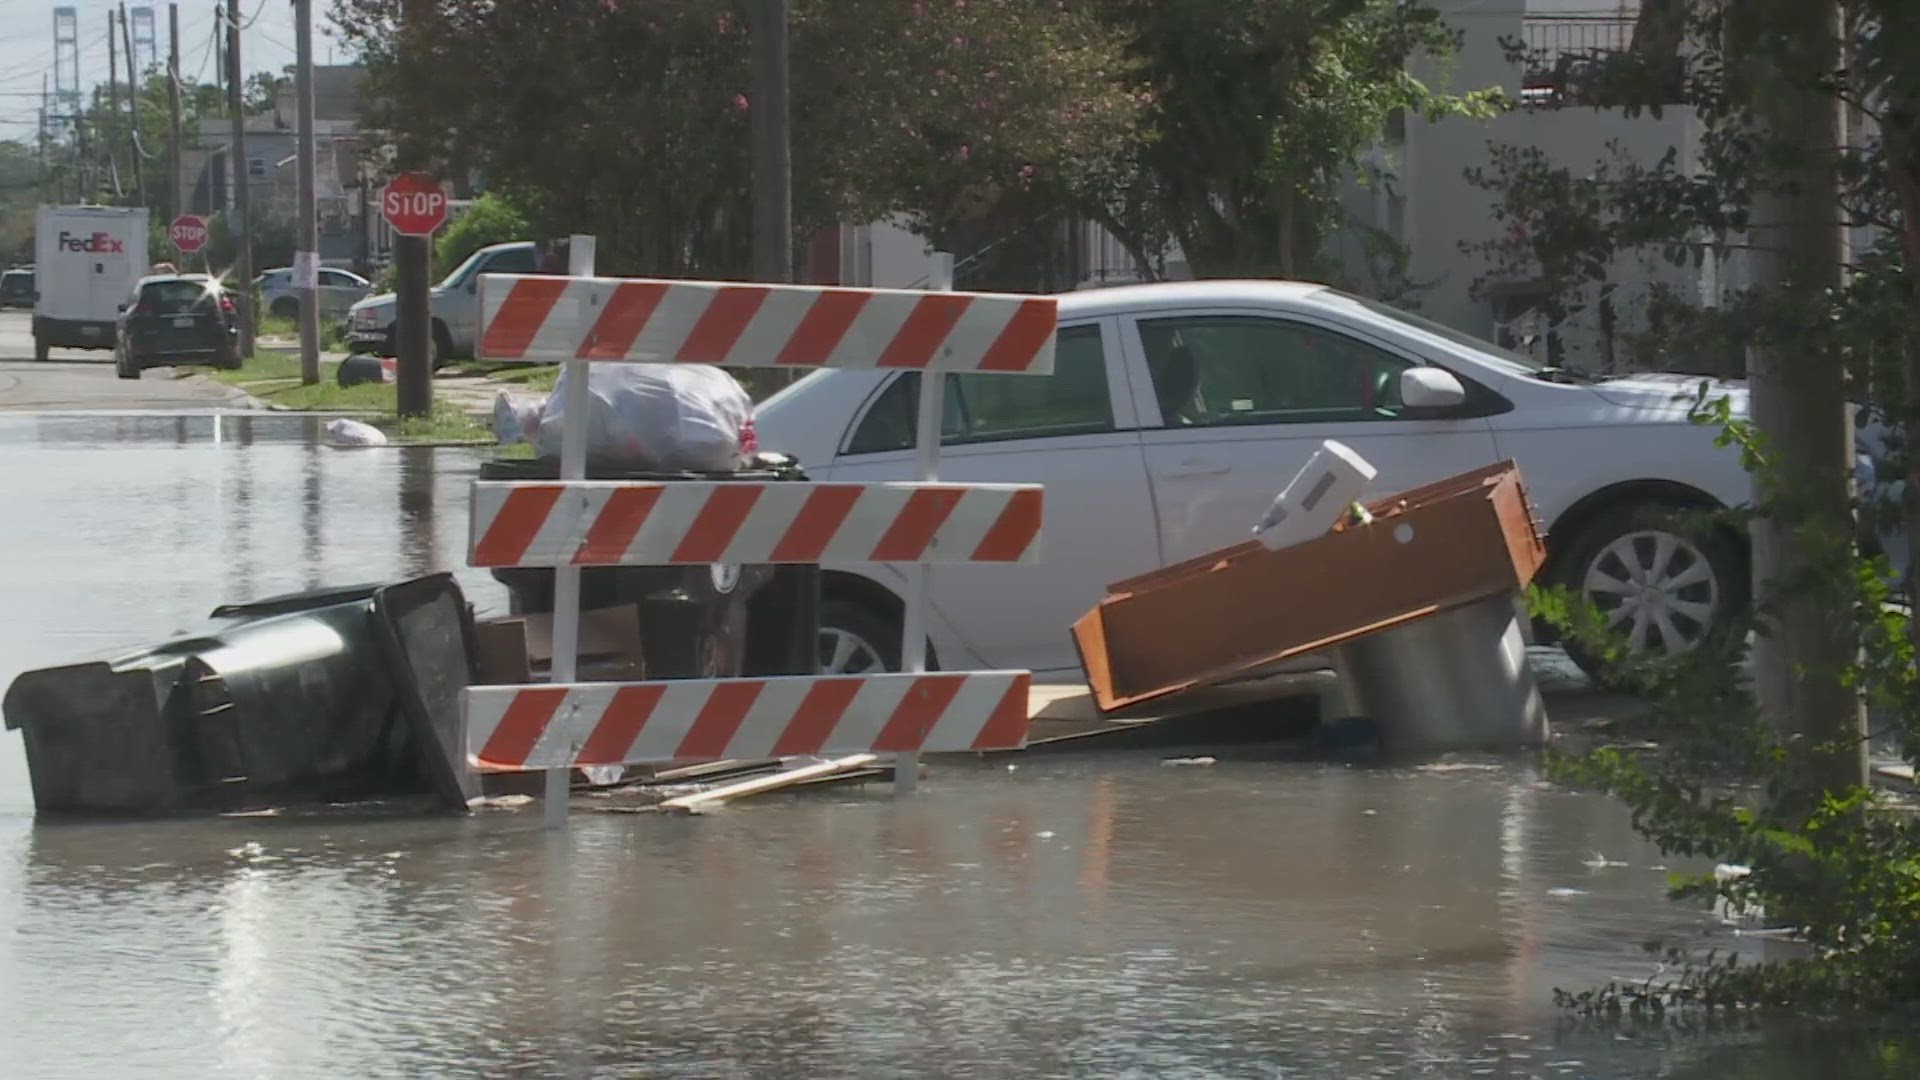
(490, 220)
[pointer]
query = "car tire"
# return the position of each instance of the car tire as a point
(40, 350)
(856, 639)
(285, 308)
(123, 365)
(439, 346)
(1652, 572)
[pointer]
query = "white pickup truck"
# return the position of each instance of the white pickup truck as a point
(455, 304)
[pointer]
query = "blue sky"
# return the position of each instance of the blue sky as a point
(26, 46)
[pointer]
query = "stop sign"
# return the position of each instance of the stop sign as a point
(414, 204)
(188, 233)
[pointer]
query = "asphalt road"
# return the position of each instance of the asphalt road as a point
(82, 380)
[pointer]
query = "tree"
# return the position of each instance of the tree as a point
(630, 119)
(1769, 773)
(490, 220)
(1259, 112)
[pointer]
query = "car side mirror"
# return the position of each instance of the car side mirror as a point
(122, 307)
(1430, 388)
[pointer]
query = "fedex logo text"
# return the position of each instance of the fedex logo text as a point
(98, 242)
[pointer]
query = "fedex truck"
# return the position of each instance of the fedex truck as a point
(86, 259)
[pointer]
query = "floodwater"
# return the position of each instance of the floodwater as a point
(1081, 914)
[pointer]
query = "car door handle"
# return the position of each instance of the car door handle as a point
(1194, 470)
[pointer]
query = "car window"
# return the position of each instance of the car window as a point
(174, 297)
(1216, 370)
(511, 261)
(336, 280)
(993, 407)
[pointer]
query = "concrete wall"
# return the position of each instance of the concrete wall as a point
(1442, 211)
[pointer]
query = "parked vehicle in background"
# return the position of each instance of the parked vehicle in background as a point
(1176, 411)
(339, 291)
(86, 258)
(455, 304)
(16, 288)
(176, 319)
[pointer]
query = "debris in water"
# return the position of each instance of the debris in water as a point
(269, 812)
(1010, 768)
(1370, 813)
(1045, 834)
(1189, 762)
(1563, 890)
(1601, 862)
(502, 802)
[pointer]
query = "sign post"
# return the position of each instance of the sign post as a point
(188, 232)
(414, 204)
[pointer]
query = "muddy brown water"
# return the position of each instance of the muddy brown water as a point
(1080, 914)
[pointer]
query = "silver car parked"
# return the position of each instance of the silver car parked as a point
(339, 289)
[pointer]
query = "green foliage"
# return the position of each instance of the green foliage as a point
(1259, 111)
(988, 125)
(490, 220)
(1841, 868)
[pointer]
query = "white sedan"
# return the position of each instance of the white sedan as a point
(1177, 410)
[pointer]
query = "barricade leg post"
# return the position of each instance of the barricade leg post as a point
(913, 624)
(566, 579)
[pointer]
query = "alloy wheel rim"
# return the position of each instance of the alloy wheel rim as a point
(1656, 586)
(843, 652)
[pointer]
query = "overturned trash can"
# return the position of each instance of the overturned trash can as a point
(694, 622)
(328, 696)
(1457, 680)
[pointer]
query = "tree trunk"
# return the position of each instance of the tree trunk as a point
(1781, 49)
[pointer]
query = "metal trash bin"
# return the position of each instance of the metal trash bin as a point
(717, 621)
(317, 697)
(1458, 680)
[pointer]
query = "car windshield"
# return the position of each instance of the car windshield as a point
(1524, 363)
(175, 297)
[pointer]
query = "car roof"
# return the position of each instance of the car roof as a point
(1222, 292)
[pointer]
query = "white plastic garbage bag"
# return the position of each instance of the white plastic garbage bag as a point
(516, 417)
(345, 432)
(656, 416)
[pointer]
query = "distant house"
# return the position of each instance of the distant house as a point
(346, 236)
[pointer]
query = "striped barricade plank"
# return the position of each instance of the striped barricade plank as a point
(553, 319)
(525, 728)
(603, 523)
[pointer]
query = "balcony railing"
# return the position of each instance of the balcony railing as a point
(1560, 49)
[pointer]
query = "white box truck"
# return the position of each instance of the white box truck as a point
(86, 259)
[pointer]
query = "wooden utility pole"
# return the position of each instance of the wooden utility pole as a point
(133, 111)
(413, 314)
(113, 100)
(1781, 50)
(237, 165)
(772, 145)
(307, 259)
(176, 197)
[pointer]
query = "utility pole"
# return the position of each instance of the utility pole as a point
(1782, 50)
(237, 165)
(133, 112)
(306, 261)
(176, 198)
(413, 315)
(113, 100)
(772, 146)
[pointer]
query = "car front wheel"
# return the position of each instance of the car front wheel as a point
(1664, 585)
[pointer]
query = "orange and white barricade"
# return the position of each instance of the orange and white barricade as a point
(575, 522)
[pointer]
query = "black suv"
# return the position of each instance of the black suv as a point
(176, 318)
(16, 288)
